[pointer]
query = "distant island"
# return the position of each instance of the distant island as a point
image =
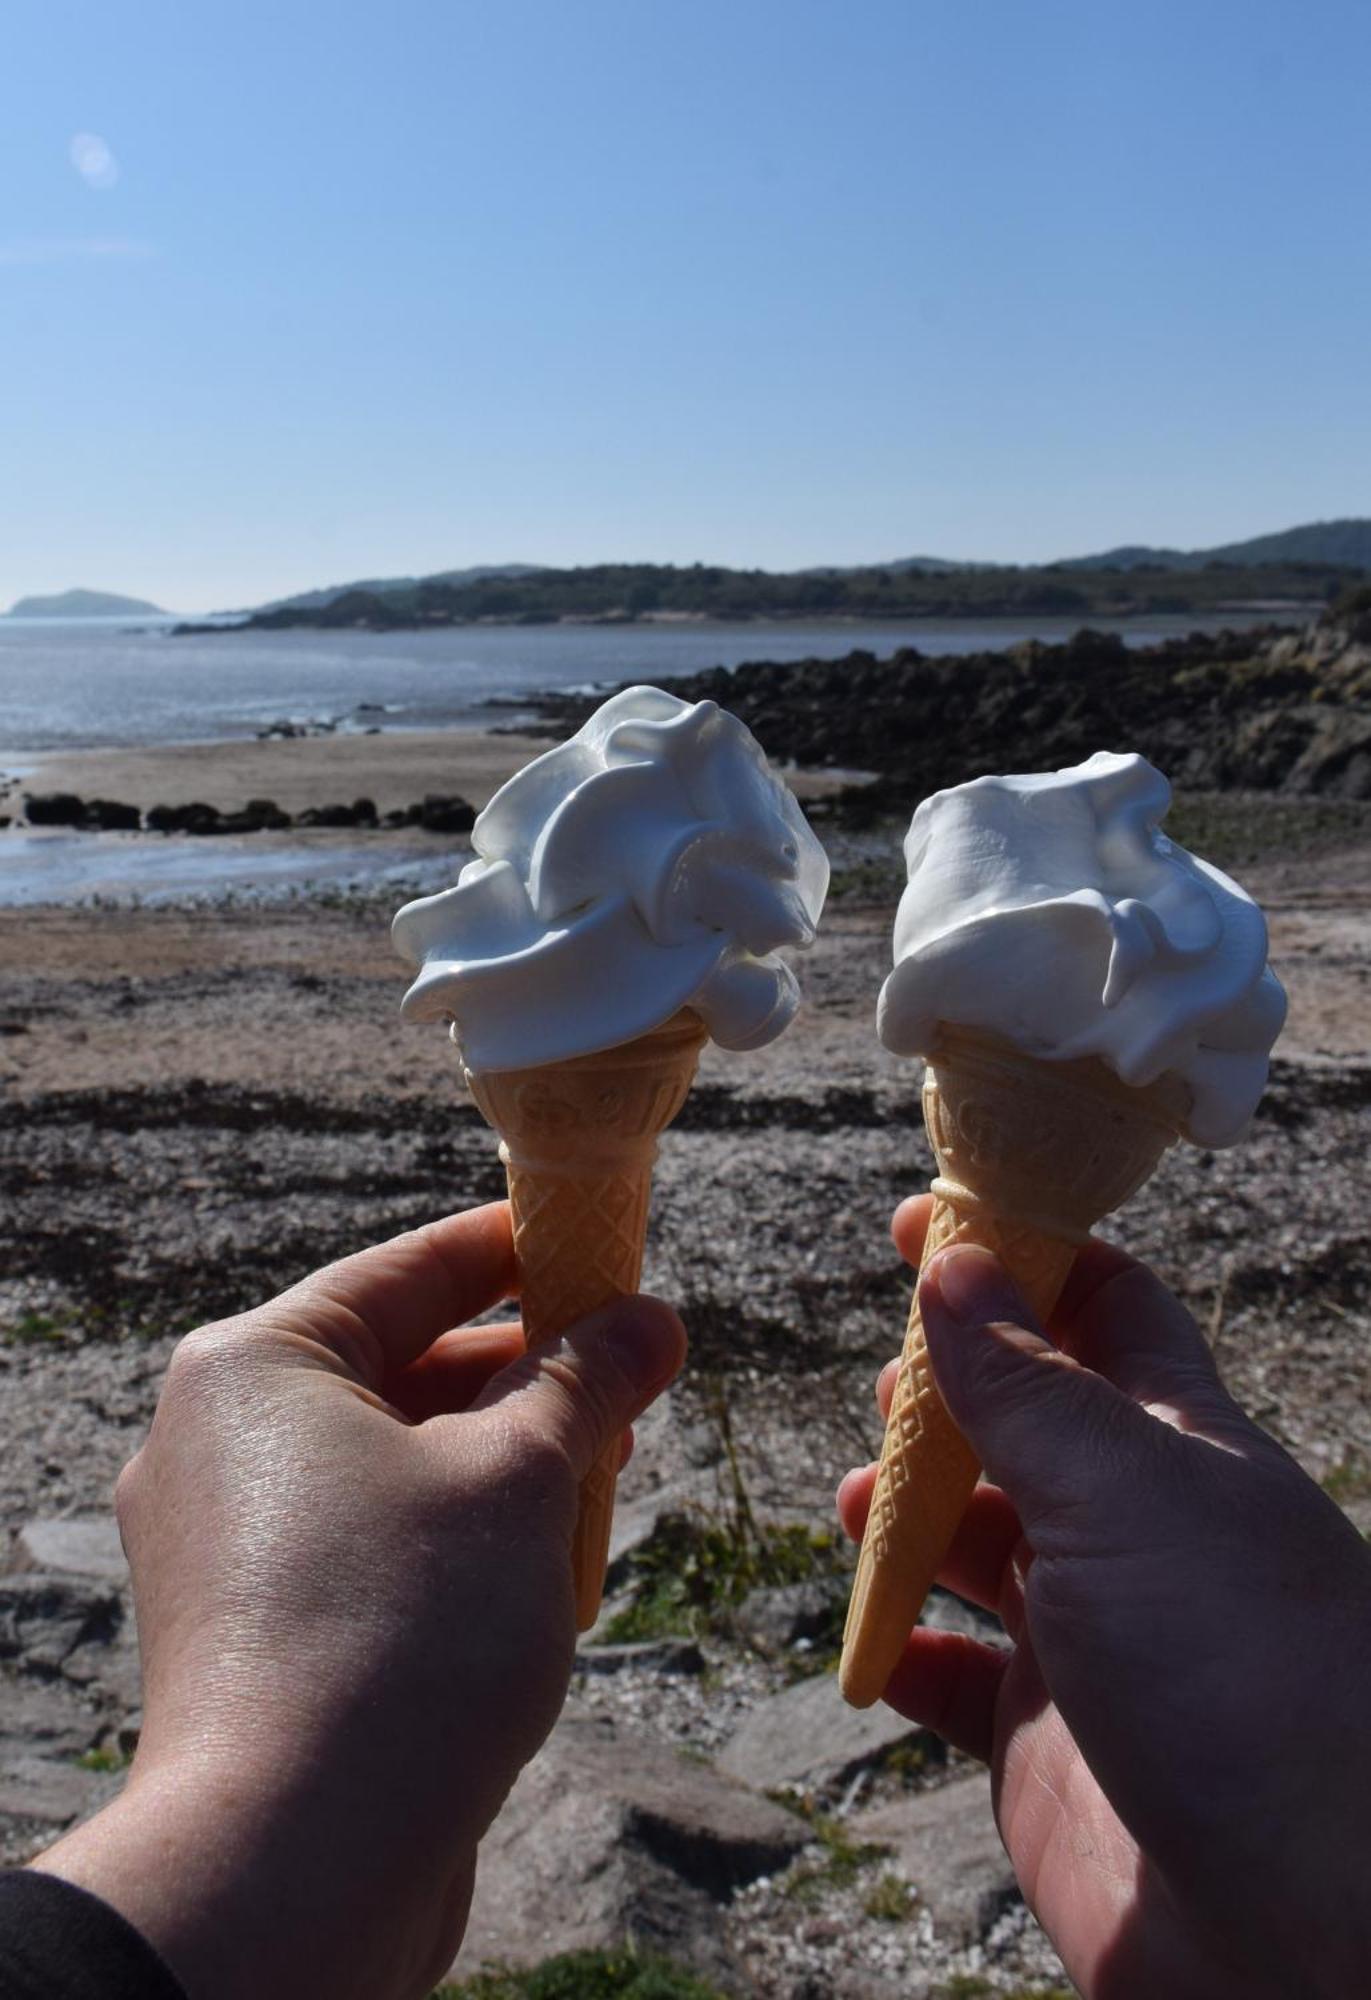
(83, 604)
(1306, 566)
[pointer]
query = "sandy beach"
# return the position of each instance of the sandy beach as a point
(391, 768)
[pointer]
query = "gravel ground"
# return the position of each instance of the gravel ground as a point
(200, 1106)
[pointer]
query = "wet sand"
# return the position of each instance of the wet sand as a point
(393, 769)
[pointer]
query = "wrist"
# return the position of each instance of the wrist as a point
(245, 1888)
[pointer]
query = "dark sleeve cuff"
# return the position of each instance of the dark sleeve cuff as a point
(58, 1942)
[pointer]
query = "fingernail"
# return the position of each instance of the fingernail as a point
(645, 1346)
(974, 1287)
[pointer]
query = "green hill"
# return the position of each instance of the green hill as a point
(83, 604)
(1345, 544)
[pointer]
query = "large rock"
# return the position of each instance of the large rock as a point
(36, 1788)
(610, 1835)
(84, 1545)
(54, 809)
(808, 1738)
(946, 1844)
(45, 1619)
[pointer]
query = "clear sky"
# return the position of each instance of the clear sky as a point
(293, 292)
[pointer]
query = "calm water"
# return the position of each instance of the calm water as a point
(87, 684)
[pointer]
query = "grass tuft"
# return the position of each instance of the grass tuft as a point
(694, 1570)
(624, 1974)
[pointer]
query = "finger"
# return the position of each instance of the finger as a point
(578, 1393)
(854, 1500)
(1063, 1443)
(381, 1309)
(950, 1684)
(454, 1371)
(885, 1387)
(979, 1564)
(909, 1226)
(1118, 1318)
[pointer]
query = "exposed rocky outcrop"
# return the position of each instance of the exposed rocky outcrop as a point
(1227, 711)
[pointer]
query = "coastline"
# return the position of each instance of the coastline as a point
(393, 769)
(59, 866)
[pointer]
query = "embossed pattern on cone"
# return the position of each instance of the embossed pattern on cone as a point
(578, 1140)
(1030, 1155)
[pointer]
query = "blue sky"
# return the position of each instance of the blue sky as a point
(293, 293)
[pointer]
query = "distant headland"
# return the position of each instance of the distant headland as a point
(83, 604)
(1305, 566)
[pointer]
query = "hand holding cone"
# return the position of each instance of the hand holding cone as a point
(578, 1140)
(1030, 1155)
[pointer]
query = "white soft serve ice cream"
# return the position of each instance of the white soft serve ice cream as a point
(651, 862)
(1049, 910)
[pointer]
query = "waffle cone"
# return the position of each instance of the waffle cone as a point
(1030, 1156)
(578, 1140)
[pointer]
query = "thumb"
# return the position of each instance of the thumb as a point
(1064, 1444)
(580, 1392)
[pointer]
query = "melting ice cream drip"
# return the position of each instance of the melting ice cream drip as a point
(1052, 911)
(649, 863)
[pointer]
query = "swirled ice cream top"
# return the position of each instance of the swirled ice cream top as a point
(1051, 911)
(651, 862)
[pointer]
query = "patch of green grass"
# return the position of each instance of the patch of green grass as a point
(843, 1857)
(1349, 1479)
(694, 1570)
(108, 1757)
(32, 1329)
(876, 882)
(584, 1975)
(892, 1900)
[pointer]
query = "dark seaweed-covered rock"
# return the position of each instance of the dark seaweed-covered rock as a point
(54, 809)
(110, 816)
(441, 814)
(194, 818)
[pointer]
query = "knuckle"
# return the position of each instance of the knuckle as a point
(519, 1455)
(126, 1490)
(200, 1360)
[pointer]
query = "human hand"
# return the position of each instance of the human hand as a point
(1177, 1734)
(350, 1538)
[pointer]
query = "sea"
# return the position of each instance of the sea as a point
(95, 683)
(98, 684)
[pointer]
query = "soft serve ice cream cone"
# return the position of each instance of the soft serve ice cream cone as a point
(630, 895)
(1084, 992)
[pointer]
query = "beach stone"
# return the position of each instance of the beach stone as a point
(610, 1835)
(196, 817)
(44, 1718)
(782, 1615)
(439, 814)
(54, 809)
(946, 1844)
(662, 1656)
(339, 815)
(39, 1788)
(807, 1738)
(943, 1611)
(109, 816)
(44, 1618)
(84, 1545)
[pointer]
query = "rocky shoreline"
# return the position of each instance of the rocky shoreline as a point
(1265, 711)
